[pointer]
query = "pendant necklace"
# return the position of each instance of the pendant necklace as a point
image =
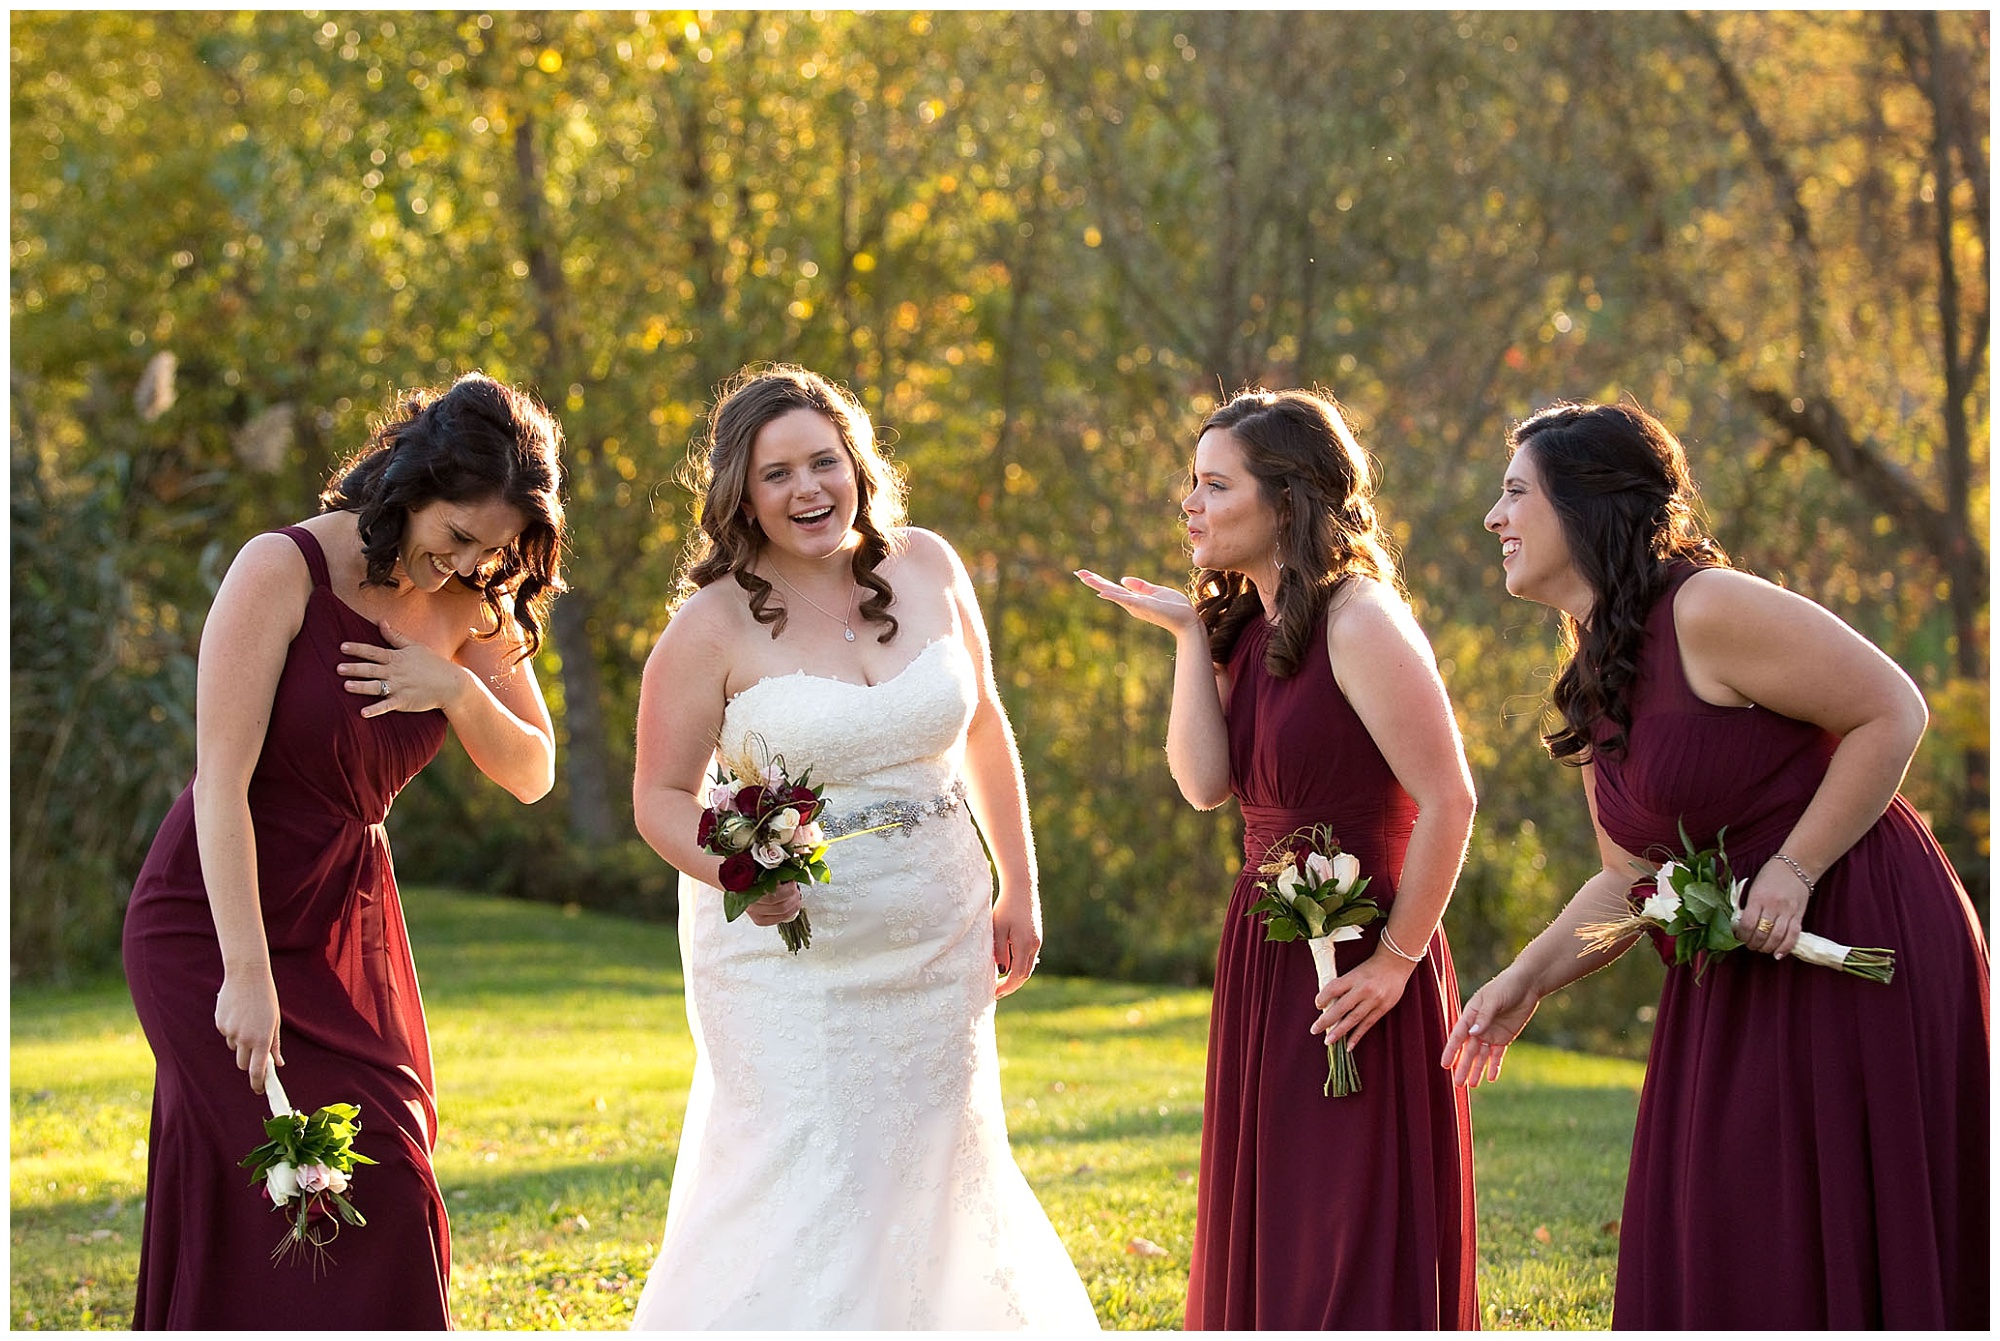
(843, 621)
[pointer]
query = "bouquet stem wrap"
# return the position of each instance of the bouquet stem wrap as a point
(1342, 1076)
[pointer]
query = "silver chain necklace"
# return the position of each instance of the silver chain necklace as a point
(845, 622)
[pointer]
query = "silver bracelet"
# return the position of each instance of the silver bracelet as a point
(1799, 871)
(1396, 949)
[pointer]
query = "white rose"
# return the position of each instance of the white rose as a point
(1289, 883)
(336, 1181)
(281, 1180)
(1318, 868)
(1346, 870)
(769, 855)
(1661, 907)
(784, 824)
(1663, 882)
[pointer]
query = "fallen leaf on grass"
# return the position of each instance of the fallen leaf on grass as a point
(1542, 1234)
(1610, 1227)
(1145, 1248)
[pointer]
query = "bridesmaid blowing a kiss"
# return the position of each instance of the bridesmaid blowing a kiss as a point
(1811, 1148)
(264, 929)
(1304, 688)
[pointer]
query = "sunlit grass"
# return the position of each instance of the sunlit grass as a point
(563, 1061)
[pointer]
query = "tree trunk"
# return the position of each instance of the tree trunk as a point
(592, 820)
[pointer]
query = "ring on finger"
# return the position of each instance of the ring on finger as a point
(381, 689)
(1764, 925)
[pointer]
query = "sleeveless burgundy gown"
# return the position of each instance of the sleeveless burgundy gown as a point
(1314, 1212)
(1811, 1148)
(353, 1023)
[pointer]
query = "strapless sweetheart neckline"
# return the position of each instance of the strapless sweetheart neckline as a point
(905, 669)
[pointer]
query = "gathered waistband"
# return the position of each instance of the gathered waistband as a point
(895, 817)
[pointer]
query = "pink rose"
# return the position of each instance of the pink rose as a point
(315, 1178)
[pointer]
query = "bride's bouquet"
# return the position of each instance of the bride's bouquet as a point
(1314, 893)
(306, 1167)
(764, 824)
(1695, 901)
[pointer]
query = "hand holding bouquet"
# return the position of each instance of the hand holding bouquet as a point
(306, 1167)
(764, 824)
(1313, 893)
(1696, 900)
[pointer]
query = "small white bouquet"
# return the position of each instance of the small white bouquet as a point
(1314, 894)
(1696, 899)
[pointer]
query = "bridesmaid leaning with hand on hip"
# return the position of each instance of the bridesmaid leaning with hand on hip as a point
(264, 929)
(1811, 1148)
(1304, 688)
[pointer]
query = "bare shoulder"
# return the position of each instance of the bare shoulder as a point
(269, 566)
(1714, 595)
(708, 621)
(1366, 614)
(928, 550)
(261, 603)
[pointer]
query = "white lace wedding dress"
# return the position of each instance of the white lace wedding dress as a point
(844, 1163)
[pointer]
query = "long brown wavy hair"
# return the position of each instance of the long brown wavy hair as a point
(1618, 481)
(480, 439)
(1307, 465)
(727, 542)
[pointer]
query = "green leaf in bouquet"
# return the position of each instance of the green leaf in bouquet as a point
(735, 901)
(1313, 916)
(1720, 938)
(1687, 944)
(346, 1207)
(820, 872)
(1281, 929)
(1704, 898)
(1356, 915)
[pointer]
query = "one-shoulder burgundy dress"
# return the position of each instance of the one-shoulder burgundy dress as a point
(353, 1025)
(1811, 1148)
(1315, 1212)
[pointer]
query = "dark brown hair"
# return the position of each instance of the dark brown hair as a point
(479, 440)
(1309, 467)
(728, 543)
(1618, 482)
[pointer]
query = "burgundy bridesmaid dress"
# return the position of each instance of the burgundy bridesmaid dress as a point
(353, 1023)
(1315, 1212)
(1811, 1149)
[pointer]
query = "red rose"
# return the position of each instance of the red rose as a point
(803, 801)
(750, 801)
(706, 829)
(739, 872)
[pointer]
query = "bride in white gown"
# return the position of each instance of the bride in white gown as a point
(844, 1162)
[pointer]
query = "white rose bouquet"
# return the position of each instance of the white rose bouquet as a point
(1696, 898)
(306, 1167)
(1314, 893)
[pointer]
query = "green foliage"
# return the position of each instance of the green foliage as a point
(1039, 245)
(563, 1062)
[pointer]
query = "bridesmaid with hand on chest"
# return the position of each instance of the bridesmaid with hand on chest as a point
(265, 928)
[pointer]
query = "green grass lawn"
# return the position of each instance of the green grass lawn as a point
(563, 1061)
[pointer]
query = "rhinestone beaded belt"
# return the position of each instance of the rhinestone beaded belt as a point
(895, 816)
